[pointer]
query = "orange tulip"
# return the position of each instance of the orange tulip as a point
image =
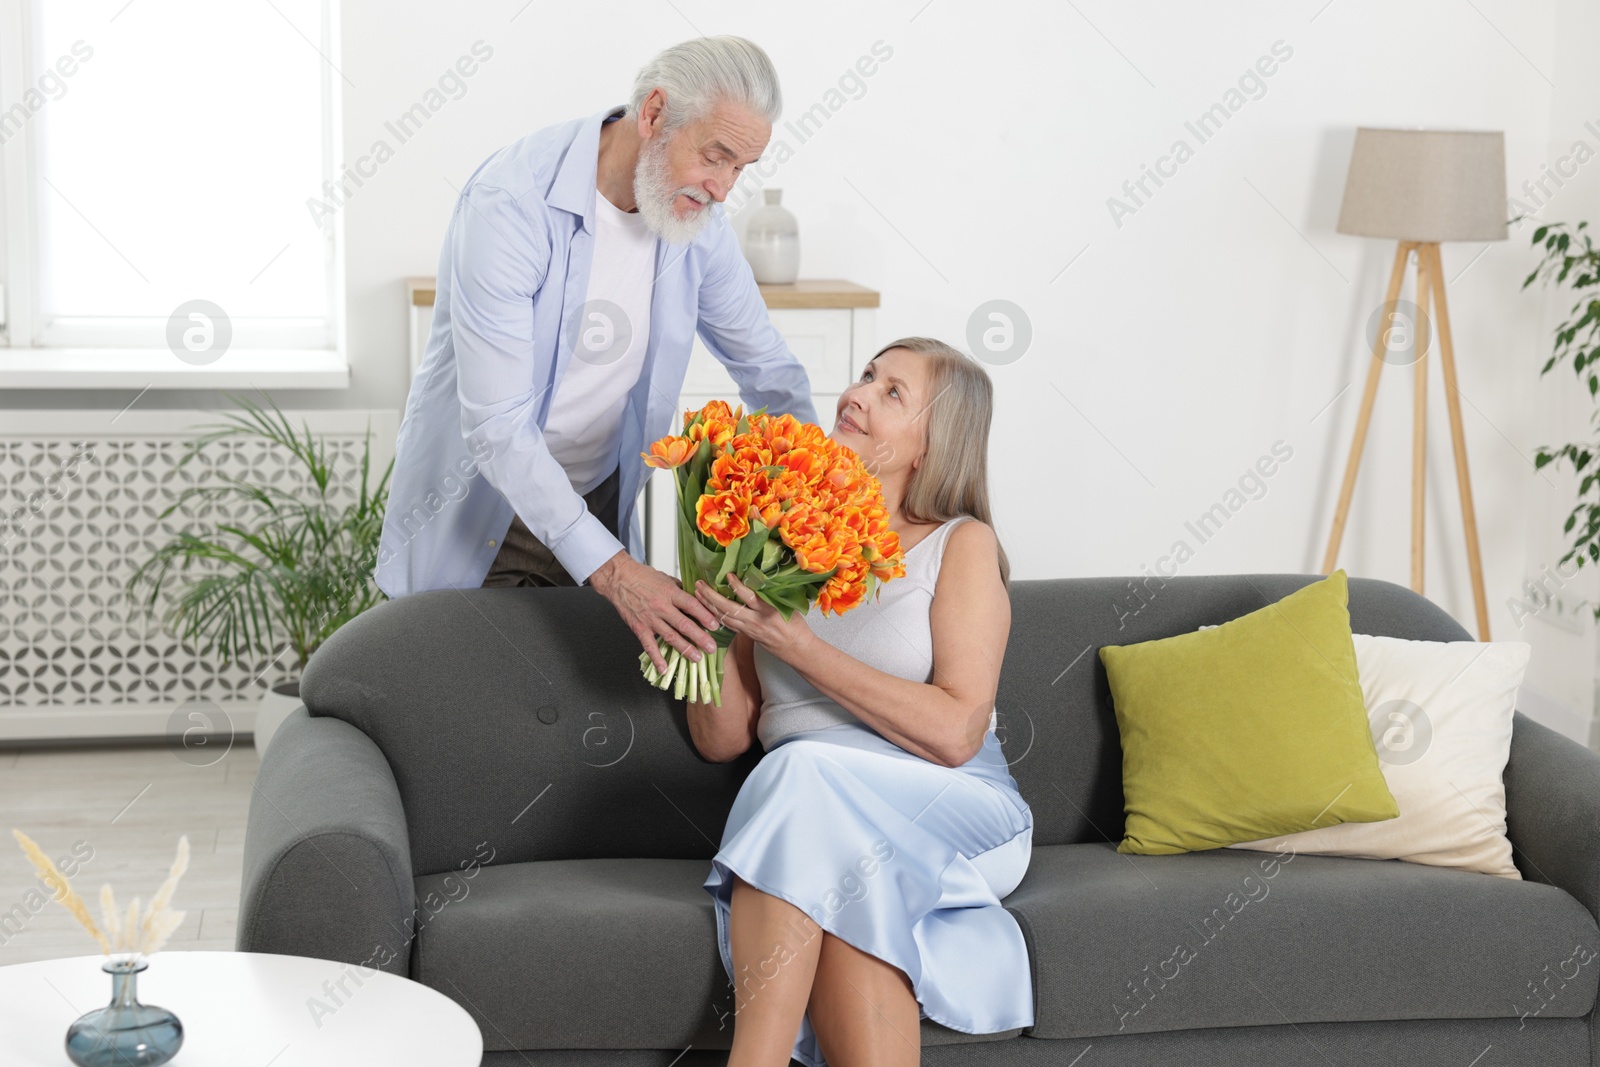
(805, 463)
(724, 516)
(837, 598)
(884, 565)
(768, 509)
(801, 523)
(789, 486)
(815, 494)
(783, 433)
(668, 453)
(824, 509)
(817, 554)
(720, 431)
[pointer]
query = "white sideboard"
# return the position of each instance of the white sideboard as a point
(828, 323)
(419, 317)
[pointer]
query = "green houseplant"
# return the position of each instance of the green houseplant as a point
(1570, 259)
(288, 565)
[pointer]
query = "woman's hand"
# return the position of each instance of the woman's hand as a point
(757, 619)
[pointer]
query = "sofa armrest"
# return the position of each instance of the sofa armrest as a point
(327, 863)
(1553, 810)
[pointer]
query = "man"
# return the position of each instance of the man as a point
(578, 265)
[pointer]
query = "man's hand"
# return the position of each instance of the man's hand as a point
(652, 602)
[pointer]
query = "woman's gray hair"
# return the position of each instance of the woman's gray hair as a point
(699, 73)
(953, 478)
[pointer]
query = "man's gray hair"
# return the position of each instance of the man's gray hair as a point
(700, 73)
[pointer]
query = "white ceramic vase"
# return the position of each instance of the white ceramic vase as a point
(772, 242)
(277, 704)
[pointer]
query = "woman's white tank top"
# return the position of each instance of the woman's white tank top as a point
(892, 633)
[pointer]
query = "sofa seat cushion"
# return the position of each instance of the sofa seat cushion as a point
(587, 954)
(1233, 937)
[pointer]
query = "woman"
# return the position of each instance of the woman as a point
(858, 885)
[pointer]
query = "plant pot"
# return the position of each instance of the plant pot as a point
(277, 704)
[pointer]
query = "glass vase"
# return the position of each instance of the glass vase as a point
(124, 1033)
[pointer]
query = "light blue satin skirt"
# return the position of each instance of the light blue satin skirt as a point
(903, 858)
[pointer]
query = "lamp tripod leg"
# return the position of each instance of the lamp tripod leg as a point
(1458, 441)
(1419, 417)
(1342, 513)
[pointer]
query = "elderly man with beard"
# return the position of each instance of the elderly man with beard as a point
(579, 264)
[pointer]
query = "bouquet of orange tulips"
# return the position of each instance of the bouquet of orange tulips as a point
(775, 501)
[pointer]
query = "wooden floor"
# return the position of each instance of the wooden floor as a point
(124, 808)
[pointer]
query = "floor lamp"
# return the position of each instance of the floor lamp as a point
(1421, 187)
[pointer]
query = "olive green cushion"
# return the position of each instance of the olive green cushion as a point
(1248, 730)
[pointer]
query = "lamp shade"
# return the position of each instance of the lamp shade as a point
(1426, 185)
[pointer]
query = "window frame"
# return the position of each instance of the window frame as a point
(29, 358)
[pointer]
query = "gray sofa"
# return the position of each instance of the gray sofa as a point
(483, 795)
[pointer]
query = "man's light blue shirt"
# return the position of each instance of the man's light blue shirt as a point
(513, 275)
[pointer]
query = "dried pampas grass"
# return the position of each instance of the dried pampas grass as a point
(133, 933)
(61, 889)
(160, 920)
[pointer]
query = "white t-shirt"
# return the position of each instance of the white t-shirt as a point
(585, 424)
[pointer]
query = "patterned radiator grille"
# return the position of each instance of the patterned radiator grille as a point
(77, 517)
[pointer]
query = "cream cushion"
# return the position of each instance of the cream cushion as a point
(1441, 714)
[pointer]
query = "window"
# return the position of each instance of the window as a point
(158, 156)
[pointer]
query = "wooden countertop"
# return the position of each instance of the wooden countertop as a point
(819, 293)
(419, 291)
(804, 293)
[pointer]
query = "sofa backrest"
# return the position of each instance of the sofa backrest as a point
(518, 727)
(1059, 728)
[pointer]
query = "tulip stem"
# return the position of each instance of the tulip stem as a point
(696, 680)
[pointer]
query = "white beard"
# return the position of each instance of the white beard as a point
(653, 192)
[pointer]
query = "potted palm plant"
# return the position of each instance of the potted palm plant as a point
(267, 572)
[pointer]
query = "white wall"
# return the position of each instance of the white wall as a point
(1224, 315)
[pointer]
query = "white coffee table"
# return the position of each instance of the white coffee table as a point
(245, 1009)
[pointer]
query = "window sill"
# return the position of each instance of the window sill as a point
(124, 368)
